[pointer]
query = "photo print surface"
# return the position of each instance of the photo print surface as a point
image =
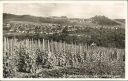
(64, 40)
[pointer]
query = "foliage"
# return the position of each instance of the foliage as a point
(24, 61)
(27, 58)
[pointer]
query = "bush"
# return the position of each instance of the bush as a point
(42, 59)
(24, 61)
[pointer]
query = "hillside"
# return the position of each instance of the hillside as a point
(99, 29)
(28, 18)
(102, 20)
(120, 20)
(94, 21)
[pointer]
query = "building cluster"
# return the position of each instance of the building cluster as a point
(51, 28)
(30, 27)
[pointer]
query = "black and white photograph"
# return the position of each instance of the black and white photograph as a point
(64, 39)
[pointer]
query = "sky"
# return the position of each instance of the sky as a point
(86, 9)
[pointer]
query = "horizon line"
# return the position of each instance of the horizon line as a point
(59, 16)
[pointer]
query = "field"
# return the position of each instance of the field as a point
(35, 58)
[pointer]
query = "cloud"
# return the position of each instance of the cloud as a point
(80, 10)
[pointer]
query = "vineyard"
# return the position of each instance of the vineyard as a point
(35, 58)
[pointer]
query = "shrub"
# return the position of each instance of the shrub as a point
(24, 61)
